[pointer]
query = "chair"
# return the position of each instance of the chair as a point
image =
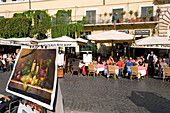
(166, 73)
(134, 71)
(122, 68)
(91, 70)
(111, 70)
(75, 67)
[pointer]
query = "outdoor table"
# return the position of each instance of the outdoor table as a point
(142, 70)
(100, 67)
(82, 66)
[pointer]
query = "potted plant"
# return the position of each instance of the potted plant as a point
(116, 12)
(131, 13)
(150, 11)
(121, 19)
(110, 14)
(138, 19)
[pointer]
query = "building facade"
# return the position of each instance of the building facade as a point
(141, 18)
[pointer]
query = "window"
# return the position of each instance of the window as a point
(146, 12)
(91, 16)
(3, 0)
(117, 14)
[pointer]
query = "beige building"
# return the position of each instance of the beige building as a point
(137, 17)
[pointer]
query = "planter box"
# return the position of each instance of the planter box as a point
(130, 21)
(121, 20)
(147, 19)
(133, 20)
(138, 19)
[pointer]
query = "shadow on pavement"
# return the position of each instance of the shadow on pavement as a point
(150, 101)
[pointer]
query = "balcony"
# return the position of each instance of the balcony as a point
(109, 20)
(161, 1)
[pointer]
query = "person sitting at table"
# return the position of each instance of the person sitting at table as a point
(128, 64)
(10, 62)
(120, 63)
(110, 61)
(158, 67)
(99, 60)
(163, 64)
(140, 63)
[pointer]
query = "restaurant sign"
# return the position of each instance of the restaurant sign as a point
(142, 32)
(127, 32)
(59, 44)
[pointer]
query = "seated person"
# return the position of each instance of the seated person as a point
(99, 60)
(140, 63)
(120, 63)
(10, 62)
(163, 64)
(128, 64)
(110, 61)
(158, 67)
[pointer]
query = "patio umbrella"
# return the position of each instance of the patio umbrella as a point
(82, 41)
(153, 40)
(60, 39)
(19, 41)
(110, 37)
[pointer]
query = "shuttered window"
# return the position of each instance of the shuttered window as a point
(145, 12)
(117, 15)
(91, 16)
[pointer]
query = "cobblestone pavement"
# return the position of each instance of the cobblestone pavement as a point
(99, 95)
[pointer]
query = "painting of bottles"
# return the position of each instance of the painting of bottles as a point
(34, 76)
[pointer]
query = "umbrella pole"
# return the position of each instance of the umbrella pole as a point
(112, 47)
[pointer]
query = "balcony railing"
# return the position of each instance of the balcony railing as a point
(110, 19)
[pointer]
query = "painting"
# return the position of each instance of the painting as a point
(34, 76)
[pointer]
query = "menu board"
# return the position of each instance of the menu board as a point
(34, 76)
(87, 58)
(60, 59)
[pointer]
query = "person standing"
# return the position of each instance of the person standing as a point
(151, 59)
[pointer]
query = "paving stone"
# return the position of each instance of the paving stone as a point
(99, 95)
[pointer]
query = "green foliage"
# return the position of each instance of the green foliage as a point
(131, 12)
(15, 27)
(64, 27)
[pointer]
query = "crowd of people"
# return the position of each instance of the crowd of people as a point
(154, 64)
(7, 61)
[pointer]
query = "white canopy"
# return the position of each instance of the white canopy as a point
(153, 40)
(60, 39)
(63, 41)
(111, 36)
(82, 41)
(19, 39)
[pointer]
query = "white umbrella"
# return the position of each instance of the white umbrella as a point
(111, 36)
(82, 41)
(19, 39)
(60, 39)
(153, 40)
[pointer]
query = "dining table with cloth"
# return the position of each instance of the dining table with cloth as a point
(101, 67)
(142, 70)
